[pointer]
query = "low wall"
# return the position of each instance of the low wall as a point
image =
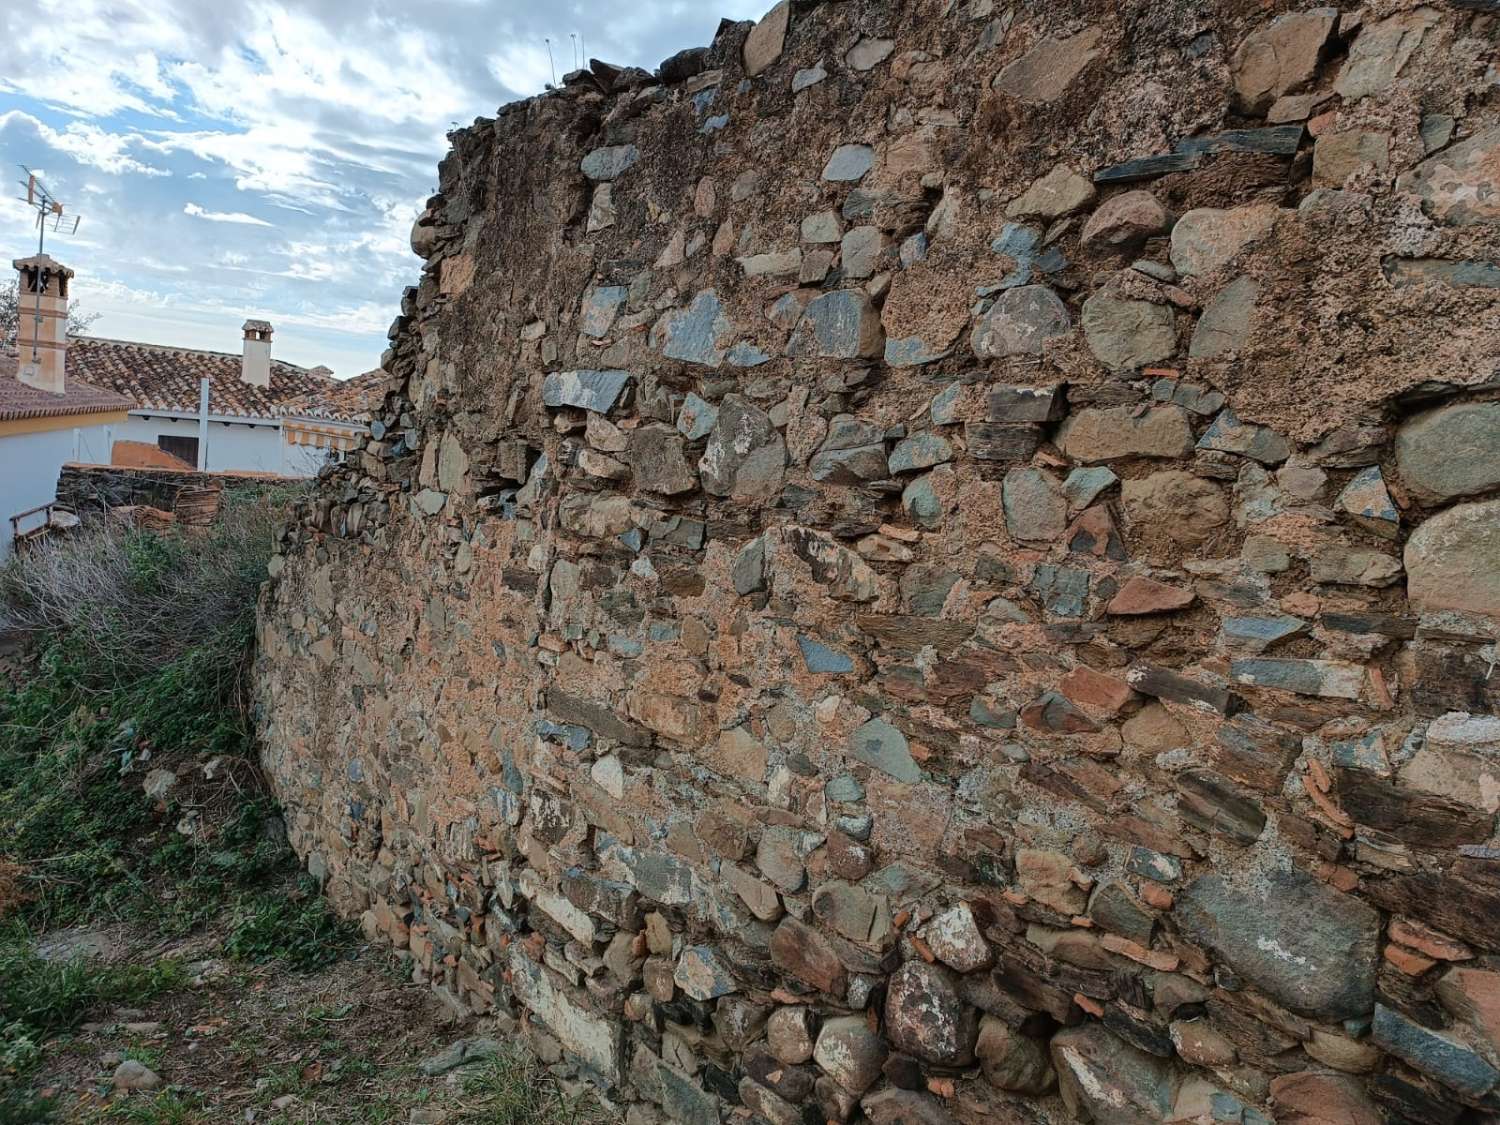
(97, 488)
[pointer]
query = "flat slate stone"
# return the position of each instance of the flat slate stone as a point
(1305, 944)
(1104, 1079)
(1326, 679)
(1282, 140)
(695, 334)
(1229, 435)
(919, 451)
(1020, 322)
(696, 418)
(1148, 168)
(843, 324)
(1433, 1053)
(608, 163)
(849, 163)
(881, 746)
(598, 391)
(1401, 272)
(820, 658)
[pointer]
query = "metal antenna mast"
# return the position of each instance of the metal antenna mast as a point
(551, 65)
(576, 64)
(47, 209)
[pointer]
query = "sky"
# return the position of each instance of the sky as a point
(232, 159)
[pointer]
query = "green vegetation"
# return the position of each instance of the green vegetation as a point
(514, 1089)
(140, 643)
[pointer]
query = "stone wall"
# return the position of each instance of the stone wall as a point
(89, 489)
(938, 561)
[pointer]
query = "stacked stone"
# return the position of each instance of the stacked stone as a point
(940, 563)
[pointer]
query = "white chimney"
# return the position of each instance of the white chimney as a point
(257, 366)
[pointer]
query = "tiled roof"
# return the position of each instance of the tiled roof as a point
(156, 377)
(18, 401)
(352, 400)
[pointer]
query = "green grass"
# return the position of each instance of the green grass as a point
(41, 998)
(141, 644)
(300, 930)
(165, 1108)
(514, 1089)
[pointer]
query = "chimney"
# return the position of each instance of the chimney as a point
(257, 366)
(42, 338)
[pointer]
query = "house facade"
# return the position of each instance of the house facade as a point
(46, 417)
(118, 402)
(221, 412)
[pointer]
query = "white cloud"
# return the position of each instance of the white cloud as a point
(87, 144)
(223, 216)
(184, 121)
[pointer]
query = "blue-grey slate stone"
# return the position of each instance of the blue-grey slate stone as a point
(696, 418)
(842, 324)
(810, 76)
(945, 405)
(600, 307)
(1457, 274)
(849, 163)
(1062, 589)
(749, 570)
(1085, 484)
(714, 123)
(598, 391)
(1434, 1054)
(986, 714)
(1329, 679)
(820, 658)
(746, 455)
(856, 827)
(1229, 435)
(1154, 865)
(575, 738)
(695, 334)
(1259, 633)
(921, 503)
(920, 451)
(881, 746)
(1306, 945)
(684, 1100)
(913, 351)
(745, 354)
(844, 788)
(607, 163)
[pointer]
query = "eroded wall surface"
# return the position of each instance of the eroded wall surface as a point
(939, 562)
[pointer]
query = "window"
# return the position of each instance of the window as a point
(183, 448)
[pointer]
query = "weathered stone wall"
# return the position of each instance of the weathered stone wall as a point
(90, 489)
(939, 561)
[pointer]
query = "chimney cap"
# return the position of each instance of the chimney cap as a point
(41, 261)
(258, 326)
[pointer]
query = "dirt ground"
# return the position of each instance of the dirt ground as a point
(261, 1044)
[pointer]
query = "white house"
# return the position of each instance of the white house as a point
(47, 417)
(220, 412)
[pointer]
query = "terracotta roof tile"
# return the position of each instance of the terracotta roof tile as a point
(18, 401)
(156, 377)
(351, 400)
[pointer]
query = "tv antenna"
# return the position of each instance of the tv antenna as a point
(47, 208)
(551, 65)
